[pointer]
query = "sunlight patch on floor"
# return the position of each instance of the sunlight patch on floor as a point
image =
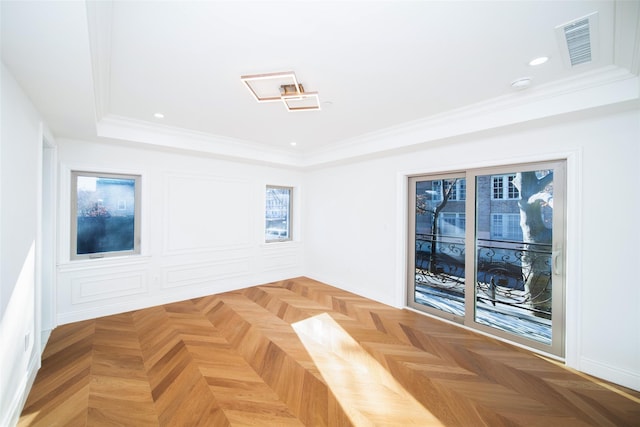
(367, 392)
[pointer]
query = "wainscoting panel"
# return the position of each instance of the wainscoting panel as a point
(280, 256)
(106, 283)
(93, 288)
(204, 273)
(87, 288)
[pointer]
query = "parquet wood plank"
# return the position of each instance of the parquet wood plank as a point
(272, 349)
(180, 393)
(372, 336)
(119, 388)
(299, 352)
(240, 393)
(61, 388)
(68, 408)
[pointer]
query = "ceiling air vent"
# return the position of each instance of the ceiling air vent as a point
(577, 40)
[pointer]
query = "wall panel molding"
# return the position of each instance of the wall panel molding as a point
(92, 265)
(205, 213)
(201, 273)
(97, 287)
(280, 256)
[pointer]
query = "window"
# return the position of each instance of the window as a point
(452, 224)
(278, 213)
(502, 182)
(456, 188)
(492, 261)
(506, 226)
(459, 190)
(105, 218)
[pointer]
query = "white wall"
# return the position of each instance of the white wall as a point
(355, 225)
(20, 153)
(202, 231)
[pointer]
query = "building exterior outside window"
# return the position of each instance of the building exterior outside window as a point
(278, 213)
(504, 188)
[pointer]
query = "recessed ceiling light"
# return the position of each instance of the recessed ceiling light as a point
(538, 61)
(293, 144)
(158, 116)
(522, 83)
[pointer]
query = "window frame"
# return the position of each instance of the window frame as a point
(73, 231)
(558, 254)
(289, 222)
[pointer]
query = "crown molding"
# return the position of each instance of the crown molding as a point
(606, 86)
(126, 129)
(99, 24)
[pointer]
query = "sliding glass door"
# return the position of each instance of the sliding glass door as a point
(486, 250)
(439, 243)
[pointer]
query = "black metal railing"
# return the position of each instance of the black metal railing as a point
(515, 276)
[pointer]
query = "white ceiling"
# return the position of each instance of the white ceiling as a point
(102, 69)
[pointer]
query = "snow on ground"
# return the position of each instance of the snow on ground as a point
(449, 297)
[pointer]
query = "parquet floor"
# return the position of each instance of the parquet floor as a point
(299, 352)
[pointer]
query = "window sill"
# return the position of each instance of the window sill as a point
(277, 243)
(89, 263)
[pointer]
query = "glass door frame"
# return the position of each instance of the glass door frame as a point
(559, 166)
(411, 253)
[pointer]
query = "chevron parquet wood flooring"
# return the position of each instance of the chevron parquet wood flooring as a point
(301, 353)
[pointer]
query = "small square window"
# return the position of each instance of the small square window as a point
(278, 213)
(104, 215)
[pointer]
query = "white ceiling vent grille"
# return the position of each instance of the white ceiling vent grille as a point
(578, 40)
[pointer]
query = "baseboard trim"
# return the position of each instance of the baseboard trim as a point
(614, 374)
(20, 396)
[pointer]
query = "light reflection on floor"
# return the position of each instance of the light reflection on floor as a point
(367, 392)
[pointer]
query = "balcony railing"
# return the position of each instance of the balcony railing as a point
(505, 271)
